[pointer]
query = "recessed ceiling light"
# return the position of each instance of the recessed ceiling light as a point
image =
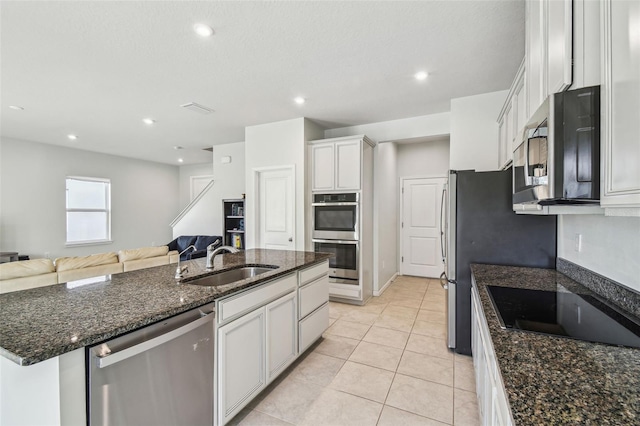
(148, 121)
(177, 147)
(299, 100)
(16, 107)
(72, 137)
(180, 160)
(422, 75)
(203, 30)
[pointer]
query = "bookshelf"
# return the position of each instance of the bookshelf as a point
(233, 213)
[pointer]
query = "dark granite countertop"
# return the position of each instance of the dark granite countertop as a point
(45, 322)
(552, 380)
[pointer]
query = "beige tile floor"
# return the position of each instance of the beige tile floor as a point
(385, 363)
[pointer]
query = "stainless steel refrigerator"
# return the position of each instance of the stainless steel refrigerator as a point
(479, 226)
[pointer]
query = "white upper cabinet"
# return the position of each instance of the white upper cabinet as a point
(620, 126)
(348, 165)
(322, 166)
(558, 44)
(534, 53)
(512, 119)
(336, 164)
(548, 44)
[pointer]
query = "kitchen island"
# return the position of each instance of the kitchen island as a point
(43, 331)
(553, 380)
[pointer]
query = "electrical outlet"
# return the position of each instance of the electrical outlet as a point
(47, 254)
(578, 242)
(153, 243)
(383, 264)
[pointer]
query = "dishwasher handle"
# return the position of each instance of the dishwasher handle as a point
(115, 357)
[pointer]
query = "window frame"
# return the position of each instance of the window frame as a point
(106, 210)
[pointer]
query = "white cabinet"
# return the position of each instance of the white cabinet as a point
(548, 44)
(620, 126)
(241, 355)
(511, 120)
(492, 399)
(559, 30)
(314, 304)
(336, 164)
(282, 334)
(322, 167)
(259, 331)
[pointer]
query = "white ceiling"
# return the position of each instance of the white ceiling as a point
(96, 69)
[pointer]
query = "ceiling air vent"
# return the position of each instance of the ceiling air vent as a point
(201, 109)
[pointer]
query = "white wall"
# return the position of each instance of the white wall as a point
(406, 128)
(32, 198)
(186, 172)
(205, 217)
(385, 217)
(424, 159)
(474, 131)
(610, 245)
(278, 144)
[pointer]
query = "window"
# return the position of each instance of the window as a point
(88, 210)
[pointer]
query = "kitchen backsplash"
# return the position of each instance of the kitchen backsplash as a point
(623, 296)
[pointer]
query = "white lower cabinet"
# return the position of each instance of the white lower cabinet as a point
(492, 399)
(241, 355)
(261, 332)
(282, 334)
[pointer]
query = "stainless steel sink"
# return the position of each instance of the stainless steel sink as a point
(230, 276)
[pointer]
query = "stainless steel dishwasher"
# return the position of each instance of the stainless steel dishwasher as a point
(161, 374)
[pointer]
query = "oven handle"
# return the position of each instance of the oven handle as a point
(335, 241)
(334, 204)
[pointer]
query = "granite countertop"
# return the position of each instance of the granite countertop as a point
(45, 322)
(552, 380)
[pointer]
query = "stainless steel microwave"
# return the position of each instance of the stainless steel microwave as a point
(335, 216)
(558, 161)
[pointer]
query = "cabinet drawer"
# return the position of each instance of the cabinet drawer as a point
(310, 274)
(344, 290)
(314, 295)
(312, 327)
(245, 302)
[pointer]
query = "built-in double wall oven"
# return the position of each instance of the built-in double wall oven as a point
(336, 219)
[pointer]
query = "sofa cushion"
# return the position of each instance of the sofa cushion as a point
(203, 241)
(142, 253)
(182, 242)
(25, 283)
(26, 268)
(134, 265)
(89, 272)
(68, 263)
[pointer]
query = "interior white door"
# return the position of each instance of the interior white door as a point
(420, 227)
(277, 209)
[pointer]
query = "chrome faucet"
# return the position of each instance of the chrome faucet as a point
(211, 253)
(180, 271)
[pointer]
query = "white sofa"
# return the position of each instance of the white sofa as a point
(26, 274)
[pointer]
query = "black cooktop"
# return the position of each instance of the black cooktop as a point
(565, 314)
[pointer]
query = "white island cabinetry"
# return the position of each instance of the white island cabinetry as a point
(258, 334)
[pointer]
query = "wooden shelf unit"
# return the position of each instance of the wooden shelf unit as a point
(233, 223)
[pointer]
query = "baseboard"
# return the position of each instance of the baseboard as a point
(387, 284)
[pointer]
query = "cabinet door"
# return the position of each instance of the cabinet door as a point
(558, 44)
(241, 357)
(509, 122)
(348, 165)
(322, 167)
(620, 106)
(502, 141)
(520, 100)
(282, 332)
(534, 46)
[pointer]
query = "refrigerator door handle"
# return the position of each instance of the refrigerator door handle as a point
(442, 227)
(444, 282)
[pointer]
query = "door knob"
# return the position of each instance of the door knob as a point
(290, 239)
